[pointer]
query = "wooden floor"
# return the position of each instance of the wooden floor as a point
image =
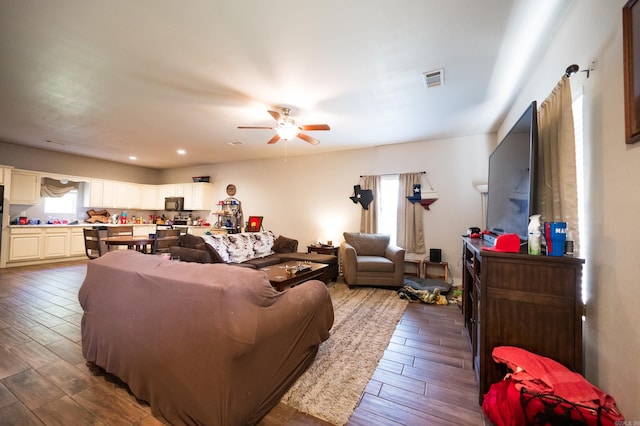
(424, 378)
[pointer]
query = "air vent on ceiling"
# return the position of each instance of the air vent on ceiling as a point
(433, 78)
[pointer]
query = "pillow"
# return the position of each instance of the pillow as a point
(190, 241)
(285, 245)
(367, 244)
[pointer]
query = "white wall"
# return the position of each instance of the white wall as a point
(307, 198)
(591, 31)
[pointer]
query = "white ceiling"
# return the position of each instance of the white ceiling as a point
(117, 78)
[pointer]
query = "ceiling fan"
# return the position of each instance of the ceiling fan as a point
(287, 129)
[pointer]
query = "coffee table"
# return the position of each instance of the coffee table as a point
(280, 279)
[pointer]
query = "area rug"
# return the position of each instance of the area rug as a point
(365, 319)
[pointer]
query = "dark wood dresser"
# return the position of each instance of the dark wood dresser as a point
(516, 299)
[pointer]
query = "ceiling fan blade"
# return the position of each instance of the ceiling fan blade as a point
(254, 127)
(314, 127)
(275, 115)
(274, 139)
(307, 138)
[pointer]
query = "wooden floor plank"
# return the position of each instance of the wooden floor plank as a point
(424, 377)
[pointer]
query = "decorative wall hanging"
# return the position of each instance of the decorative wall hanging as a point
(362, 196)
(254, 224)
(424, 198)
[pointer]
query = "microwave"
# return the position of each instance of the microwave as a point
(174, 204)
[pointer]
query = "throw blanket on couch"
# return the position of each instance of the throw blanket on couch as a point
(238, 248)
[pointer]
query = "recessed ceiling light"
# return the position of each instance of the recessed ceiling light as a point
(235, 143)
(181, 151)
(133, 157)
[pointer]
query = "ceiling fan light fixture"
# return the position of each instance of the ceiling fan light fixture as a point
(287, 129)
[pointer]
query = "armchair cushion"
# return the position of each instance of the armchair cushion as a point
(374, 264)
(367, 244)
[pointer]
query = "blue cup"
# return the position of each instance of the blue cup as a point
(555, 235)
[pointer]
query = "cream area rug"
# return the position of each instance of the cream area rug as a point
(365, 319)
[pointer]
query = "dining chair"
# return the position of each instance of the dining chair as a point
(120, 231)
(165, 238)
(113, 231)
(92, 245)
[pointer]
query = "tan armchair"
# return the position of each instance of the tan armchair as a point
(369, 259)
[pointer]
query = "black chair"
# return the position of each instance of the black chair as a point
(92, 245)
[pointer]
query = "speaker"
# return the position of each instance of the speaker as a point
(435, 255)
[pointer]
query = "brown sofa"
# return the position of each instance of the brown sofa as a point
(192, 248)
(202, 343)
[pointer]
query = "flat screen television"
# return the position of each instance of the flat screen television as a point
(512, 167)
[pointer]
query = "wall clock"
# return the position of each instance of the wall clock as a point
(231, 190)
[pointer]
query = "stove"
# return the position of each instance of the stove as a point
(181, 220)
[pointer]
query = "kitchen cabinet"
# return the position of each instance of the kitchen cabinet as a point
(150, 198)
(198, 196)
(113, 195)
(25, 244)
(93, 193)
(25, 187)
(144, 229)
(41, 244)
(56, 242)
(76, 242)
(4, 176)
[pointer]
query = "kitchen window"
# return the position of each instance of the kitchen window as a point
(62, 205)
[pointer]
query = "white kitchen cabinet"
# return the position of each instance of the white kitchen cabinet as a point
(25, 187)
(25, 244)
(93, 193)
(144, 229)
(77, 242)
(150, 198)
(56, 242)
(42, 244)
(4, 176)
(198, 231)
(198, 196)
(108, 194)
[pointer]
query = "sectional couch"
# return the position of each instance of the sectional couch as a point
(249, 249)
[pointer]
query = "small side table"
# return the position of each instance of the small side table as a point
(415, 263)
(441, 274)
(323, 250)
(327, 250)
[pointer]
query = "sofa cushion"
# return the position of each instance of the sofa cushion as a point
(285, 245)
(191, 241)
(187, 254)
(367, 244)
(262, 262)
(375, 264)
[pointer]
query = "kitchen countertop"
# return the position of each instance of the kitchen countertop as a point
(86, 225)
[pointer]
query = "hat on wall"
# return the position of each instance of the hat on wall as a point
(508, 243)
